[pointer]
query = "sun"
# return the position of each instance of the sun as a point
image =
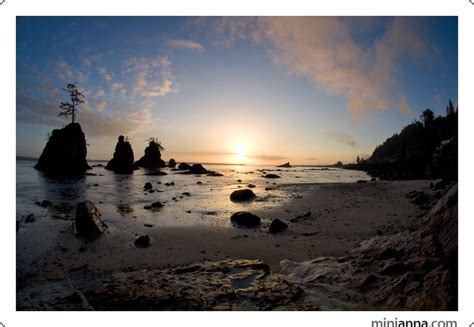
(240, 153)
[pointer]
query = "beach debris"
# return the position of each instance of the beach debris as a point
(244, 218)
(242, 195)
(142, 241)
(88, 219)
(272, 176)
(277, 226)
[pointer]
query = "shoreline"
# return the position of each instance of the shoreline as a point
(367, 210)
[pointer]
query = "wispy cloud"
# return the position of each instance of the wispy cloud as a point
(341, 137)
(324, 50)
(186, 44)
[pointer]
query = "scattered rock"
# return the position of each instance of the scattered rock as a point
(88, 219)
(251, 186)
(242, 195)
(30, 218)
(186, 193)
(147, 186)
(199, 183)
(142, 241)
(246, 219)
(277, 226)
(65, 152)
(271, 176)
(154, 205)
(184, 166)
(46, 204)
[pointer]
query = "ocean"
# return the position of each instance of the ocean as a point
(121, 198)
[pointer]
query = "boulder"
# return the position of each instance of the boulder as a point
(46, 203)
(242, 195)
(184, 166)
(147, 186)
(286, 165)
(65, 152)
(152, 157)
(172, 163)
(245, 219)
(251, 186)
(142, 241)
(122, 161)
(88, 219)
(197, 169)
(277, 226)
(271, 176)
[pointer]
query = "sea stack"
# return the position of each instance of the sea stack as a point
(122, 161)
(152, 157)
(65, 152)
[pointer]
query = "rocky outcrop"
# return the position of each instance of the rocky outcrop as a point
(242, 195)
(65, 152)
(88, 220)
(184, 166)
(152, 157)
(172, 163)
(122, 161)
(406, 271)
(286, 165)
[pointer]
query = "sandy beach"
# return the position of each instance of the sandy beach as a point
(327, 220)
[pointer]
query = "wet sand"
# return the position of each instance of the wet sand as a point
(342, 215)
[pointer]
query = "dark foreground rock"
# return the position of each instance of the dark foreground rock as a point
(122, 161)
(245, 219)
(88, 220)
(277, 226)
(65, 152)
(152, 157)
(242, 195)
(142, 241)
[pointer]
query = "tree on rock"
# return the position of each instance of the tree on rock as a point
(69, 109)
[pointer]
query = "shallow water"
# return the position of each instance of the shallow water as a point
(121, 198)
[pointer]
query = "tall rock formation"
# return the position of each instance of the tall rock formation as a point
(122, 161)
(65, 152)
(152, 157)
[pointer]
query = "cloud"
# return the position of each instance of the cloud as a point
(324, 50)
(153, 78)
(268, 157)
(405, 106)
(186, 44)
(341, 137)
(94, 122)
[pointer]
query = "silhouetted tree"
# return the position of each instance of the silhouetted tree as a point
(450, 109)
(358, 159)
(427, 116)
(69, 109)
(155, 140)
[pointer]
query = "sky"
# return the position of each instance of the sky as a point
(250, 90)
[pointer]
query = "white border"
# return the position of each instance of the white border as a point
(12, 8)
